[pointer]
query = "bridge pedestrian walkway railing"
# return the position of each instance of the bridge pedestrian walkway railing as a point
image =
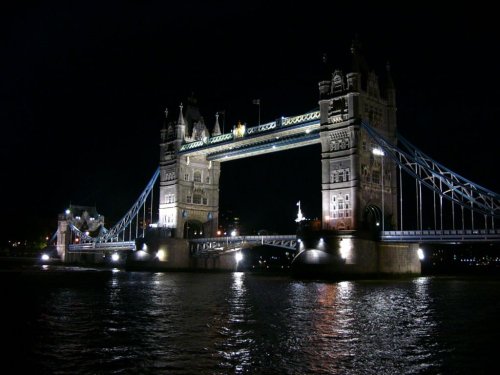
(102, 246)
(219, 245)
(451, 235)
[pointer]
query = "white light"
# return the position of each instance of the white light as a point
(144, 247)
(378, 152)
(377, 224)
(345, 247)
(308, 131)
(238, 257)
(68, 211)
(45, 257)
(141, 254)
(161, 255)
(233, 233)
(420, 253)
(115, 257)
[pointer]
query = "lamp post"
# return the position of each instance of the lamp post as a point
(379, 152)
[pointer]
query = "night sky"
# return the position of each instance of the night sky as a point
(84, 86)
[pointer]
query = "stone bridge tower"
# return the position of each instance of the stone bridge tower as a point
(189, 186)
(352, 175)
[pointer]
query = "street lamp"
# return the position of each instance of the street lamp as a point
(380, 152)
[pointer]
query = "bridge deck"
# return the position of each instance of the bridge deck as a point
(480, 235)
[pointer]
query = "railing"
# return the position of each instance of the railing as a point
(102, 246)
(219, 245)
(301, 118)
(263, 128)
(466, 235)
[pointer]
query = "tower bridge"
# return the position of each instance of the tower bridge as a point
(364, 202)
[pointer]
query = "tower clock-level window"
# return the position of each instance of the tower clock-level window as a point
(186, 176)
(196, 199)
(207, 179)
(197, 176)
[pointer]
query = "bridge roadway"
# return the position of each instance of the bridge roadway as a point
(102, 246)
(218, 245)
(442, 236)
(215, 245)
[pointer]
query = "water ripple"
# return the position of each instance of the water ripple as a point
(240, 323)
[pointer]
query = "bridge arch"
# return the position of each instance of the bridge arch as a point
(372, 218)
(193, 228)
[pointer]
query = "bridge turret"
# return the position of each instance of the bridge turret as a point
(216, 130)
(180, 128)
(163, 131)
(353, 179)
(390, 93)
(189, 184)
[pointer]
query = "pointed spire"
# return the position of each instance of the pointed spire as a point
(390, 90)
(216, 130)
(355, 47)
(163, 131)
(181, 127)
(181, 117)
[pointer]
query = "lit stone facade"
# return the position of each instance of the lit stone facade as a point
(351, 173)
(189, 185)
(358, 187)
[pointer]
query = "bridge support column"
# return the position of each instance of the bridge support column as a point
(63, 238)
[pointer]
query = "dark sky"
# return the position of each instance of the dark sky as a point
(83, 87)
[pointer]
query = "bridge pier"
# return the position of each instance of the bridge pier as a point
(347, 256)
(63, 238)
(372, 257)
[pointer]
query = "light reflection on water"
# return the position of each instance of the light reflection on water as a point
(181, 323)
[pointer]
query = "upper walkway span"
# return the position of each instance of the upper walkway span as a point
(284, 133)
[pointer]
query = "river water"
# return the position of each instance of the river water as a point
(242, 323)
